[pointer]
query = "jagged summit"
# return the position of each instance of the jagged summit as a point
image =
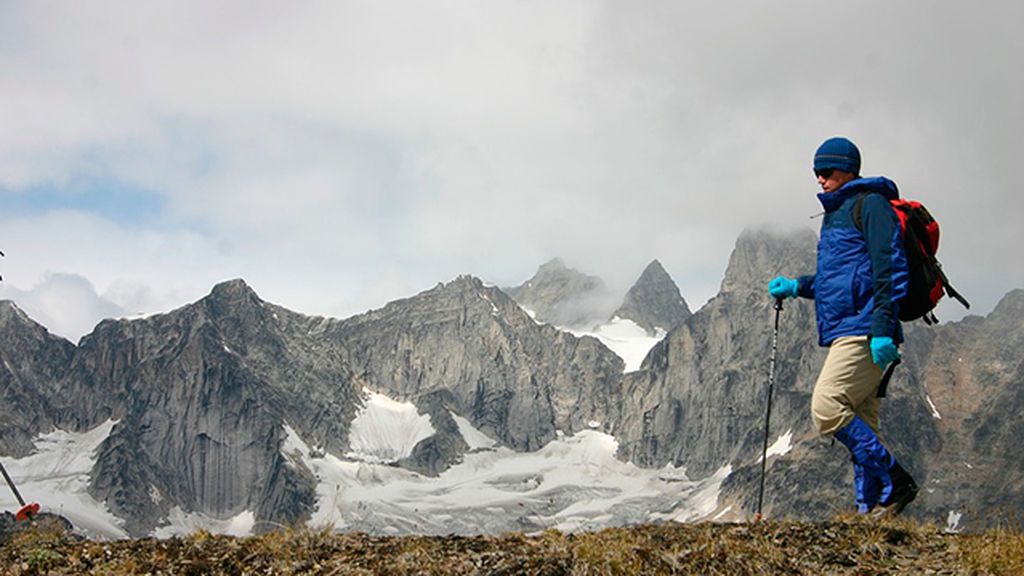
(235, 290)
(15, 322)
(1012, 304)
(760, 255)
(462, 282)
(10, 312)
(654, 301)
(563, 296)
(234, 301)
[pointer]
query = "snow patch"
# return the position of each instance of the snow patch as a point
(56, 475)
(672, 474)
(474, 438)
(533, 315)
(782, 445)
(935, 412)
(573, 483)
(722, 514)
(385, 430)
(181, 524)
(704, 498)
(626, 339)
(294, 449)
(494, 307)
(953, 522)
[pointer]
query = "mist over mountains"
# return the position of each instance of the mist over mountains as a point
(233, 409)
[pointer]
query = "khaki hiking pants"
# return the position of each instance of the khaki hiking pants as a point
(847, 386)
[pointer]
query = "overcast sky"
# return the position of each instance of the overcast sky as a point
(338, 155)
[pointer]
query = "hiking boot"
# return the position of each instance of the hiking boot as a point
(904, 490)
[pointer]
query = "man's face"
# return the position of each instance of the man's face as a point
(831, 179)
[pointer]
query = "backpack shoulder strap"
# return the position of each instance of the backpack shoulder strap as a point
(858, 210)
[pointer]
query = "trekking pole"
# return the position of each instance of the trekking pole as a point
(27, 511)
(768, 412)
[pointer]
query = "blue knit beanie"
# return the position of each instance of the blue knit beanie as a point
(838, 153)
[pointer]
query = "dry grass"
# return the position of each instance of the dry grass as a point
(844, 546)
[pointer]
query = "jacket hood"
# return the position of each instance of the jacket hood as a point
(879, 184)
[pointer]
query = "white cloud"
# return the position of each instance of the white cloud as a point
(340, 154)
(66, 304)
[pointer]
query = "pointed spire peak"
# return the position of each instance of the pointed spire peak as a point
(655, 270)
(654, 301)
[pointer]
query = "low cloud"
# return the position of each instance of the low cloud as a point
(67, 304)
(343, 154)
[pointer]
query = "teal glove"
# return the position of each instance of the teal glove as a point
(782, 287)
(884, 351)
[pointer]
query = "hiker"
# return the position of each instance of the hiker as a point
(860, 276)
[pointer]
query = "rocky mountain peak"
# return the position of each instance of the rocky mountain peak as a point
(654, 301)
(233, 291)
(14, 322)
(553, 267)
(463, 283)
(9, 312)
(760, 255)
(563, 296)
(233, 300)
(1011, 305)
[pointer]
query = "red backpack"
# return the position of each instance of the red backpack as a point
(928, 283)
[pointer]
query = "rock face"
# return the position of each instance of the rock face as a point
(204, 395)
(654, 301)
(971, 372)
(470, 349)
(34, 363)
(564, 297)
(700, 399)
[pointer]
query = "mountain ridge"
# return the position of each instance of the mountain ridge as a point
(203, 396)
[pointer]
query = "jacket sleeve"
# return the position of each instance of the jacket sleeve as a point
(888, 264)
(805, 286)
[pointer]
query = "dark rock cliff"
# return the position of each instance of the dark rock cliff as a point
(33, 364)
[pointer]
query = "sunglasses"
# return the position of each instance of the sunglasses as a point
(825, 173)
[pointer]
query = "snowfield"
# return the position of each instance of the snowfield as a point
(56, 476)
(574, 483)
(385, 430)
(626, 338)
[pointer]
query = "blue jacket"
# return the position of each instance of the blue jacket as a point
(860, 276)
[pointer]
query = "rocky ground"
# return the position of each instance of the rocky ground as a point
(843, 546)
